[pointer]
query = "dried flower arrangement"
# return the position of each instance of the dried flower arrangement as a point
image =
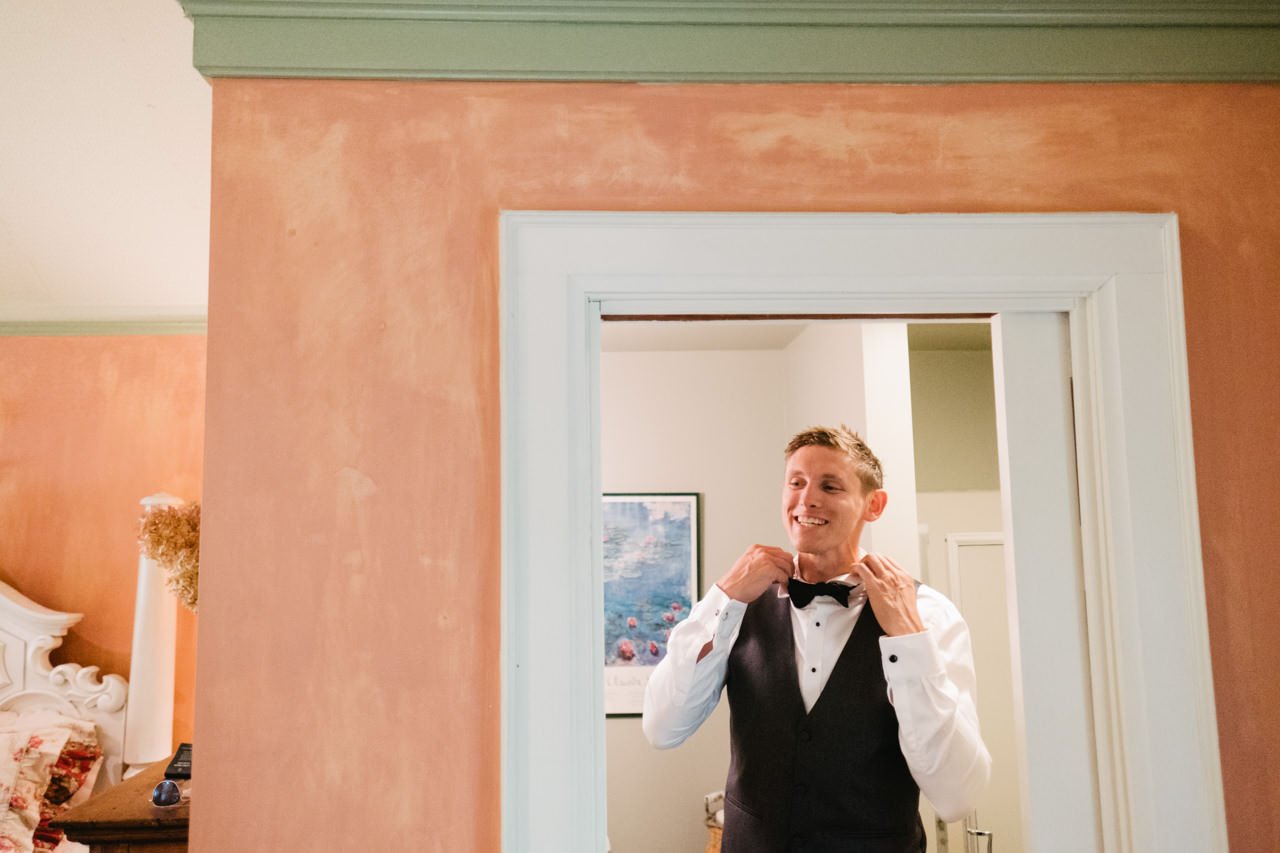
(170, 535)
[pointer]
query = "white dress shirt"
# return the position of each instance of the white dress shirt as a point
(930, 684)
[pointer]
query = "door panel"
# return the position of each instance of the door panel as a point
(1042, 554)
(980, 590)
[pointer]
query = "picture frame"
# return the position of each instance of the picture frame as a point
(651, 547)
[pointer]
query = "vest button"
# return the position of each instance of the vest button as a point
(806, 735)
(802, 788)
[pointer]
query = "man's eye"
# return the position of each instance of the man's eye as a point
(831, 487)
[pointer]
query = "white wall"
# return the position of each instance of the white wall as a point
(824, 382)
(858, 373)
(889, 433)
(953, 396)
(708, 422)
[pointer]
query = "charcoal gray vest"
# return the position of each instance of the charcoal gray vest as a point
(829, 781)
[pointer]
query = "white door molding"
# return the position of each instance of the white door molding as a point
(1116, 277)
(956, 541)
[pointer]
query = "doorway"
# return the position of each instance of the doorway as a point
(1103, 289)
(706, 405)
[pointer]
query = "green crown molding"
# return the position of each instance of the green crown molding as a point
(102, 328)
(739, 40)
(813, 12)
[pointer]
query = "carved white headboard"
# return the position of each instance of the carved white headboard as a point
(28, 633)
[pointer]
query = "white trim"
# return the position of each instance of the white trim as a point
(955, 542)
(1117, 278)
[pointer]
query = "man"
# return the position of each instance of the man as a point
(840, 713)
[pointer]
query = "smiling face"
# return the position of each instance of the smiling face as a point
(824, 504)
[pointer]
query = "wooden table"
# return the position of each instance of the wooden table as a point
(122, 819)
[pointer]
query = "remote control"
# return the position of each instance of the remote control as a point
(180, 766)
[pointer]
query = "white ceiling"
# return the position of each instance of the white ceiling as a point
(653, 336)
(656, 335)
(104, 162)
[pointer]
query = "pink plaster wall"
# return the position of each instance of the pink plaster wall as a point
(353, 469)
(88, 427)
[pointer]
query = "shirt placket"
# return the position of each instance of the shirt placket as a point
(815, 658)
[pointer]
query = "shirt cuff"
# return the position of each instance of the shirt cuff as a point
(720, 614)
(910, 656)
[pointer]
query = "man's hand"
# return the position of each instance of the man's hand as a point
(755, 571)
(891, 592)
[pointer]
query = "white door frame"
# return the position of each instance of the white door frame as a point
(1116, 277)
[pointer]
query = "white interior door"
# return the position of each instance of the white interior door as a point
(979, 588)
(1042, 553)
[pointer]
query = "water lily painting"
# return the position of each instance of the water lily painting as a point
(650, 582)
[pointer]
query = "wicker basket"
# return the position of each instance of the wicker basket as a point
(713, 839)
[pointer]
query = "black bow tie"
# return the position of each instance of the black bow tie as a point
(802, 592)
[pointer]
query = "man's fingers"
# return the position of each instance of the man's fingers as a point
(753, 572)
(901, 577)
(892, 575)
(881, 572)
(779, 553)
(874, 567)
(880, 565)
(775, 559)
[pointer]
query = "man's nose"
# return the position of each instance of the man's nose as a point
(808, 496)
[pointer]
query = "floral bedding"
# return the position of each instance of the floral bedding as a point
(48, 764)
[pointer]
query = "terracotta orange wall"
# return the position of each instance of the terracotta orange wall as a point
(353, 448)
(88, 427)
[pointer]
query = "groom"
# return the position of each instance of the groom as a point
(851, 687)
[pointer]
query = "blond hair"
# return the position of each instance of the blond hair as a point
(841, 438)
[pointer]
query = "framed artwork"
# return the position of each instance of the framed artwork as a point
(651, 579)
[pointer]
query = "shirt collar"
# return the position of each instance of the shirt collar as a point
(847, 578)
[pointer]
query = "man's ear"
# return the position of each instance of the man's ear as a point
(876, 503)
